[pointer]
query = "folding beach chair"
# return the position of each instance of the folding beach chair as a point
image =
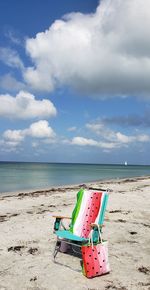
(87, 214)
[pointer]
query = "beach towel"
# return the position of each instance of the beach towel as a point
(90, 208)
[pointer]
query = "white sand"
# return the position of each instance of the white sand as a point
(26, 221)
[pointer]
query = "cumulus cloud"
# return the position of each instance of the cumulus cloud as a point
(106, 53)
(14, 135)
(25, 106)
(38, 130)
(8, 146)
(12, 138)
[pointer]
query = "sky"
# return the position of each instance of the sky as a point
(75, 81)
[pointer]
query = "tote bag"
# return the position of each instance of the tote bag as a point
(95, 258)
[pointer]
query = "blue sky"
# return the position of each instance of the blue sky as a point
(74, 81)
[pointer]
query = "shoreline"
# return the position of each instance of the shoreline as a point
(75, 186)
(27, 239)
(30, 177)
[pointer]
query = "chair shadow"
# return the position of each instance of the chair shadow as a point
(74, 252)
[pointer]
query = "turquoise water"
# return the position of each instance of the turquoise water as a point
(16, 176)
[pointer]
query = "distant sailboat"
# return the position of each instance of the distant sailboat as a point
(126, 163)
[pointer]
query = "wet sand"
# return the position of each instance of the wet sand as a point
(27, 239)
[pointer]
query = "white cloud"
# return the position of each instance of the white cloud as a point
(124, 138)
(84, 141)
(96, 127)
(25, 106)
(102, 131)
(81, 141)
(105, 53)
(39, 130)
(144, 138)
(133, 138)
(9, 83)
(12, 139)
(8, 146)
(11, 58)
(108, 139)
(14, 135)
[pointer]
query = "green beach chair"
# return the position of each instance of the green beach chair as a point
(88, 213)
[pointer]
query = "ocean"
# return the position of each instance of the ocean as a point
(17, 176)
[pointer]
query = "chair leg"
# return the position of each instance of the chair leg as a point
(56, 249)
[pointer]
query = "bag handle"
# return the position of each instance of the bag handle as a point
(100, 235)
(91, 236)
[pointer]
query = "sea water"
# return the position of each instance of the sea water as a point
(17, 176)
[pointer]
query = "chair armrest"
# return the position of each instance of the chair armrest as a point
(58, 222)
(96, 225)
(61, 217)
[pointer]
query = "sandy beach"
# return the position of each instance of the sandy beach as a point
(27, 239)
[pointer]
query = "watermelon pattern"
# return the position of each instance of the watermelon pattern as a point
(95, 260)
(89, 209)
(91, 213)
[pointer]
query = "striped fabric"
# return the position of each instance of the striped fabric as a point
(90, 208)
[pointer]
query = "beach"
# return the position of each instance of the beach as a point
(27, 239)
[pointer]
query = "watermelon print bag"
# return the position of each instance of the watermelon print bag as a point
(95, 258)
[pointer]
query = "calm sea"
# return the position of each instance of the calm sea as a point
(16, 176)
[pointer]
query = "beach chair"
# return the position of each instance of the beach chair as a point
(88, 213)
